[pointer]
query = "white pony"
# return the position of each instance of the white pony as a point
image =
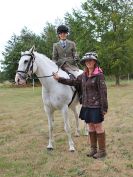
(55, 95)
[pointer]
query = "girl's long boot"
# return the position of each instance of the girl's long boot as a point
(102, 148)
(93, 142)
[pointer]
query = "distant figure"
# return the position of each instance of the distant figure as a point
(64, 51)
(94, 101)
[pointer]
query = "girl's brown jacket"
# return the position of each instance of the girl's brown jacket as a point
(94, 90)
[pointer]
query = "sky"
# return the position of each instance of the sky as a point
(16, 14)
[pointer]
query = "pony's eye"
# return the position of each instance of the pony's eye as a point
(26, 61)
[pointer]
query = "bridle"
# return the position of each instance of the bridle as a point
(30, 63)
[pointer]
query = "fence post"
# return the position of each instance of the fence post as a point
(33, 83)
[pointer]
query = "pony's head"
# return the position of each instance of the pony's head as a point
(26, 66)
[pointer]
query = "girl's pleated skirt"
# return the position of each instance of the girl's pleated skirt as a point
(91, 115)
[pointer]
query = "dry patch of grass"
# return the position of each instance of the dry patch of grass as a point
(24, 137)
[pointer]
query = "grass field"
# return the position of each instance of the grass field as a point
(24, 137)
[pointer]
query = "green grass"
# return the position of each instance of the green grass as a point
(24, 137)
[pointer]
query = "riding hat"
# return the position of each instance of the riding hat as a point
(89, 56)
(62, 29)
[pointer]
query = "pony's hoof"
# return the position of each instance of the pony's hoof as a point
(50, 149)
(72, 149)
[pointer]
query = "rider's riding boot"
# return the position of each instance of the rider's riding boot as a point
(93, 142)
(102, 149)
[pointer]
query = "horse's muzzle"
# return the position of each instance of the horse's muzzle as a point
(19, 80)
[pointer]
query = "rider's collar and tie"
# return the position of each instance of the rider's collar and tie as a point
(63, 43)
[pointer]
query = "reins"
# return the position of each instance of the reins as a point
(49, 75)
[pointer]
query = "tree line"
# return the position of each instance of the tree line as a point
(99, 25)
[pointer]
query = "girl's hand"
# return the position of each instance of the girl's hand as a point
(56, 76)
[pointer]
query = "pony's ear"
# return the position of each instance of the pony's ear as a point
(22, 53)
(32, 49)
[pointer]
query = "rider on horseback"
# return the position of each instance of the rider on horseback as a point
(64, 51)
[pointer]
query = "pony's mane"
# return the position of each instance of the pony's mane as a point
(45, 58)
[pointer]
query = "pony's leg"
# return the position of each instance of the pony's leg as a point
(77, 132)
(50, 127)
(85, 129)
(67, 128)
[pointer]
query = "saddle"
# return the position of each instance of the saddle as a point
(68, 67)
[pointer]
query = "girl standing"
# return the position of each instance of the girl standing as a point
(94, 101)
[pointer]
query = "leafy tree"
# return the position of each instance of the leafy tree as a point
(112, 21)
